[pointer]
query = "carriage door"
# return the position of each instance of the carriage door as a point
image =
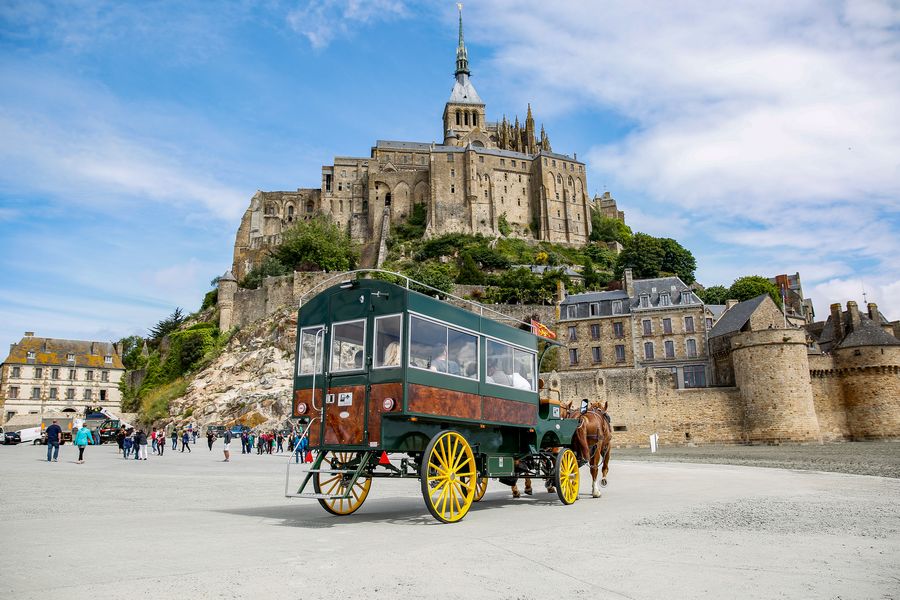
(347, 380)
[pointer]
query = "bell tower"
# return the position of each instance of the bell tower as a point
(464, 112)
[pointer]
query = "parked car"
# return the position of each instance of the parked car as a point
(217, 430)
(29, 434)
(237, 430)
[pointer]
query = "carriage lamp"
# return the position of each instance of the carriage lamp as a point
(388, 404)
(301, 408)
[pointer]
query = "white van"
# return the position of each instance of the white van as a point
(30, 434)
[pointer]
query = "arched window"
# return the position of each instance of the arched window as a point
(457, 118)
(475, 118)
(309, 206)
(290, 213)
(559, 179)
(466, 115)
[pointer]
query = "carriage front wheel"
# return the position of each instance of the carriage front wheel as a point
(480, 488)
(566, 476)
(336, 473)
(448, 476)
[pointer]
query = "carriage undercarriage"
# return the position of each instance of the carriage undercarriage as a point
(454, 476)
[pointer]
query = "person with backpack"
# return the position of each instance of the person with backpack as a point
(185, 442)
(140, 439)
(161, 441)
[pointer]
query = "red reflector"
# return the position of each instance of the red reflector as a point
(384, 459)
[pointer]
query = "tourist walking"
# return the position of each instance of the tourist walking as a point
(174, 435)
(120, 438)
(226, 447)
(83, 439)
(280, 441)
(210, 438)
(251, 439)
(244, 438)
(141, 439)
(53, 434)
(185, 439)
(127, 444)
(161, 441)
(153, 439)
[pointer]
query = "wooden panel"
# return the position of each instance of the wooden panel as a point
(509, 411)
(377, 394)
(446, 403)
(346, 429)
(305, 395)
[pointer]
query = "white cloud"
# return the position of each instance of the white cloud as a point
(771, 126)
(321, 21)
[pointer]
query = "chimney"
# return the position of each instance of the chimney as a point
(837, 321)
(729, 304)
(12, 347)
(873, 311)
(629, 283)
(853, 309)
(29, 334)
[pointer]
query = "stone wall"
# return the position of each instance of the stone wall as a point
(828, 397)
(870, 377)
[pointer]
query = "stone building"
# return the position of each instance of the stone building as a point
(481, 174)
(652, 323)
(798, 310)
(756, 314)
(53, 375)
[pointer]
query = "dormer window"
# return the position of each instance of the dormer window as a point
(571, 311)
(665, 299)
(70, 357)
(617, 307)
(107, 359)
(687, 298)
(31, 355)
(645, 301)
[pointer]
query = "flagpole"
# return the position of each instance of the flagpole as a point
(784, 305)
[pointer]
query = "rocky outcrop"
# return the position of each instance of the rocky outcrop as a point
(250, 383)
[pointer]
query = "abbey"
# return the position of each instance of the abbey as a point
(483, 176)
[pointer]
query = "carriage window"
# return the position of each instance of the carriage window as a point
(509, 366)
(387, 341)
(348, 346)
(311, 353)
(443, 349)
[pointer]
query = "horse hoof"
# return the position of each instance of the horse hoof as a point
(551, 490)
(528, 491)
(603, 482)
(596, 494)
(517, 495)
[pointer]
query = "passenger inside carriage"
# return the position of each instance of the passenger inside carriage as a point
(442, 365)
(496, 374)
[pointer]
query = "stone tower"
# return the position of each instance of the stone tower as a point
(228, 286)
(771, 370)
(464, 113)
(867, 360)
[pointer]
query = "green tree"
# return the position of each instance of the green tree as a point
(591, 279)
(435, 274)
(414, 228)
(678, 259)
(751, 286)
(469, 273)
(650, 256)
(603, 257)
(503, 226)
(167, 326)
(714, 294)
(270, 267)
(316, 245)
(130, 348)
(605, 229)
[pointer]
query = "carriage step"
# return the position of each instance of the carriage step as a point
(331, 471)
(314, 496)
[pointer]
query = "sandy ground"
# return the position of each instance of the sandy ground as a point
(856, 458)
(190, 526)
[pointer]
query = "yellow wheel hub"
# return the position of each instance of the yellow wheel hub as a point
(448, 476)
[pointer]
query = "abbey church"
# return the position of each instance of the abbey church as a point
(484, 174)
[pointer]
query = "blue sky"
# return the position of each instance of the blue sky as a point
(764, 136)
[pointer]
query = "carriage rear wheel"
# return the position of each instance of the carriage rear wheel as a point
(566, 476)
(480, 488)
(337, 484)
(448, 476)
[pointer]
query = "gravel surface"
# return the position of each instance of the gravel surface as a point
(190, 526)
(856, 458)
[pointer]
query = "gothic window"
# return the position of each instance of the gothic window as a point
(310, 206)
(458, 118)
(475, 118)
(466, 116)
(559, 179)
(290, 213)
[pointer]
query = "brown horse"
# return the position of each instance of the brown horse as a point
(591, 443)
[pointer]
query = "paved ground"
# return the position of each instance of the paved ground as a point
(189, 526)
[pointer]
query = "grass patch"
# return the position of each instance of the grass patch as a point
(155, 404)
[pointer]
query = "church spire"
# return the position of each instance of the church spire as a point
(462, 57)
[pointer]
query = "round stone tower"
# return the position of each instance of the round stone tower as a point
(228, 286)
(870, 378)
(771, 370)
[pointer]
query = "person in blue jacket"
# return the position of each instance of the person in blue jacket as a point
(83, 438)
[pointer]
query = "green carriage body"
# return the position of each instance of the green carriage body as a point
(382, 369)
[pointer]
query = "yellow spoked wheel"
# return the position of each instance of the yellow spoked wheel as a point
(448, 476)
(480, 488)
(567, 478)
(336, 484)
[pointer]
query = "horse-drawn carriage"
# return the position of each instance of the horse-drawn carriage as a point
(384, 370)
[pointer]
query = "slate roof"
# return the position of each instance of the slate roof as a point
(395, 145)
(463, 91)
(595, 297)
(868, 334)
(716, 309)
(736, 317)
(53, 352)
(644, 287)
(540, 269)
